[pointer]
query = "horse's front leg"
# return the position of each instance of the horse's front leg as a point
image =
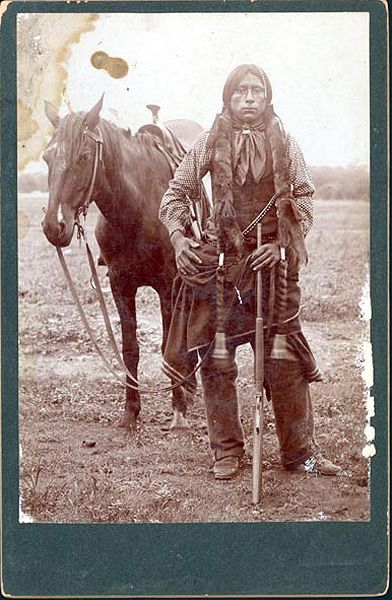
(180, 397)
(124, 297)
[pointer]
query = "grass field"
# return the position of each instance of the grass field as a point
(78, 466)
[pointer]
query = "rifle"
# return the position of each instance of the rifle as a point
(259, 383)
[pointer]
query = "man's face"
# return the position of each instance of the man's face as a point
(248, 101)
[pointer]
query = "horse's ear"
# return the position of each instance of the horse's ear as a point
(92, 117)
(52, 113)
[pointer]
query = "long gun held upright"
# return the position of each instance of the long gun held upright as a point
(259, 383)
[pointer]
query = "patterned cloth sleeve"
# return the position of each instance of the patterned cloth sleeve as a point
(303, 186)
(174, 210)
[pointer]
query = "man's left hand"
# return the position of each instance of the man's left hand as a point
(265, 257)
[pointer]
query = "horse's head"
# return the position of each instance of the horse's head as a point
(70, 157)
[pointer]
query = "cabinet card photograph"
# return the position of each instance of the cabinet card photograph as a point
(199, 237)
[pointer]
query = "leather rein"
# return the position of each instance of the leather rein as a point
(82, 211)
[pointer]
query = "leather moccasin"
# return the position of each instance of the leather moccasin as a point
(226, 468)
(317, 465)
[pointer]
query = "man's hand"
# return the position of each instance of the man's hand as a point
(186, 260)
(265, 257)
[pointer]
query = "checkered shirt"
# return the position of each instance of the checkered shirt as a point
(174, 210)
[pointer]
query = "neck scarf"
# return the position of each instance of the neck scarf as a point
(249, 151)
(249, 142)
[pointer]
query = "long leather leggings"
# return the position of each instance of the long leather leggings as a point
(289, 392)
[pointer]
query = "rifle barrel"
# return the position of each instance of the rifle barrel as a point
(259, 382)
(257, 450)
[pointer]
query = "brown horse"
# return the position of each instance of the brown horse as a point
(130, 181)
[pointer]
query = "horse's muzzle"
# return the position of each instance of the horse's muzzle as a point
(58, 233)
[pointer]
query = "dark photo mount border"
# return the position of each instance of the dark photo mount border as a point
(218, 559)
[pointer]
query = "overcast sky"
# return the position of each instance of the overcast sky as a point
(318, 64)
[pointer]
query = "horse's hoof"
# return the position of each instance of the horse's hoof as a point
(128, 422)
(179, 421)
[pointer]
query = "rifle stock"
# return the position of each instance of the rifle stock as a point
(259, 389)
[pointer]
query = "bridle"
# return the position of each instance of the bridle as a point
(98, 158)
(81, 211)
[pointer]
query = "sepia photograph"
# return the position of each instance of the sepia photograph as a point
(194, 289)
(193, 267)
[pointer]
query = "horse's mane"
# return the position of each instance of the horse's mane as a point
(69, 136)
(117, 143)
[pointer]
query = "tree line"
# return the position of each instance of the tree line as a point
(339, 183)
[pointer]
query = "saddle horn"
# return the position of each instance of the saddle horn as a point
(154, 108)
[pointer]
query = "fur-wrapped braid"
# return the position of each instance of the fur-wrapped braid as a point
(276, 137)
(221, 137)
(225, 220)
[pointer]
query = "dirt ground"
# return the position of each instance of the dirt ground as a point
(77, 465)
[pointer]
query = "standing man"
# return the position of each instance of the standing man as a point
(258, 174)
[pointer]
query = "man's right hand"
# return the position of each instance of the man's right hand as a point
(187, 261)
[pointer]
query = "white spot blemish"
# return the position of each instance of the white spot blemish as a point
(366, 363)
(370, 433)
(367, 356)
(24, 517)
(320, 516)
(369, 451)
(370, 407)
(364, 303)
